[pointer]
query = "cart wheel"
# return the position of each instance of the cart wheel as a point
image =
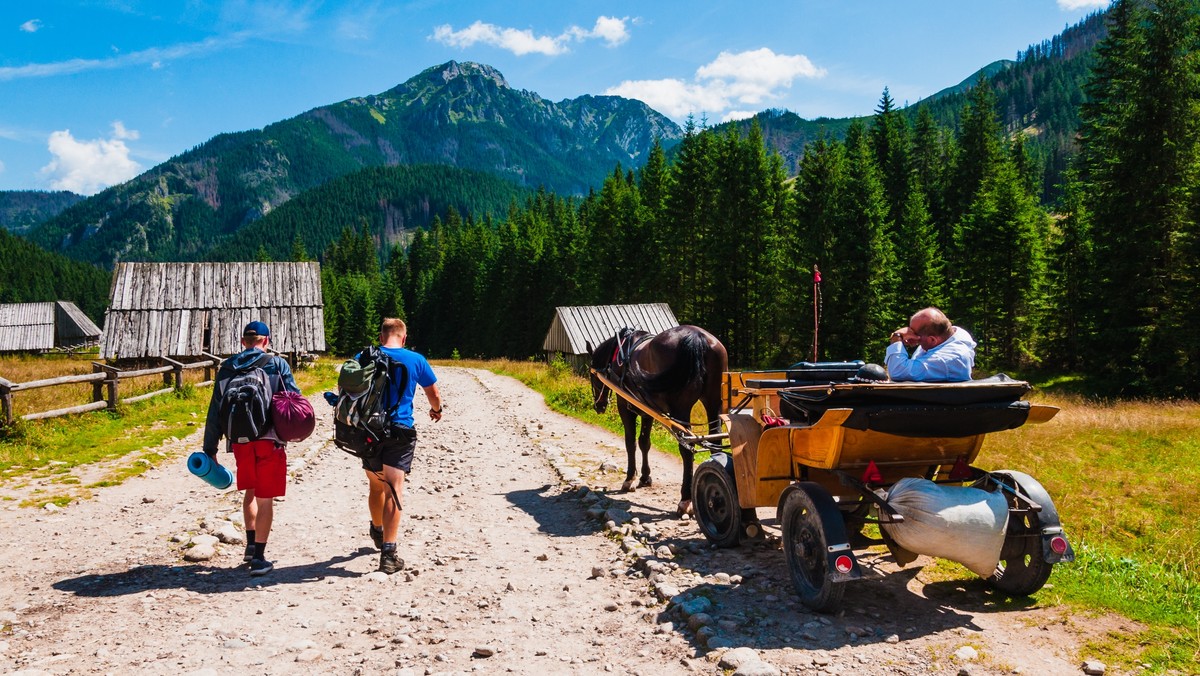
(805, 548)
(714, 499)
(1025, 569)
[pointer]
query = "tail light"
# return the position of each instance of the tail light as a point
(872, 475)
(1058, 544)
(961, 470)
(843, 564)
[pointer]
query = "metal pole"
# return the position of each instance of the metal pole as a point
(816, 317)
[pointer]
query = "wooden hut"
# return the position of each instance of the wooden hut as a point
(574, 327)
(37, 327)
(189, 309)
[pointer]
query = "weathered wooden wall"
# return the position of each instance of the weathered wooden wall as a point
(43, 326)
(186, 309)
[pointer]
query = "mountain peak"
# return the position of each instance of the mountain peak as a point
(452, 69)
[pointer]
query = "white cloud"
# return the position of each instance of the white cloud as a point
(738, 115)
(750, 77)
(608, 28)
(754, 76)
(672, 97)
(87, 167)
(1, 166)
(521, 42)
(120, 132)
(1074, 5)
(31, 26)
(152, 57)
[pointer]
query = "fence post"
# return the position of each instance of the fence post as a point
(113, 381)
(6, 401)
(98, 385)
(176, 373)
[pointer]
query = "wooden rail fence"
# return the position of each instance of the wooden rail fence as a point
(106, 386)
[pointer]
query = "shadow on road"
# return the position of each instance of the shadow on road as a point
(203, 579)
(557, 515)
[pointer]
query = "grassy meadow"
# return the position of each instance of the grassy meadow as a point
(1122, 474)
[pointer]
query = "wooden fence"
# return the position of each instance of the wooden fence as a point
(106, 386)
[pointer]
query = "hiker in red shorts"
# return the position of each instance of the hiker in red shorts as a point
(237, 412)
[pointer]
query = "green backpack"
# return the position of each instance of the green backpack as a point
(361, 418)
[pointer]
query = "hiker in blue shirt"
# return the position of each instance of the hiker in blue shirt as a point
(261, 461)
(387, 470)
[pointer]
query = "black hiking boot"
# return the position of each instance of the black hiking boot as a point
(260, 567)
(377, 537)
(389, 562)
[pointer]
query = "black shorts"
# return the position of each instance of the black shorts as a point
(396, 451)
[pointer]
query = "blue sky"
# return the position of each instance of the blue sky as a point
(94, 92)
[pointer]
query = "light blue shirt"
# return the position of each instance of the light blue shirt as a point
(950, 362)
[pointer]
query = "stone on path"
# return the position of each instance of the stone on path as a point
(966, 654)
(201, 552)
(1094, 668)
(484, 651)
(756, 668)
(230, 534)
(734, 658)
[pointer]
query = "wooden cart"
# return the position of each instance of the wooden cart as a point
(842, 443)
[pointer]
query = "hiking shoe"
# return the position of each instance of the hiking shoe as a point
(249, 555)
(261, 567)
(377, 537)
(390, 563)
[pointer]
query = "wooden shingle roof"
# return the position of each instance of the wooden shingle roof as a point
(575, 326)
(184, 309)
(44, 326)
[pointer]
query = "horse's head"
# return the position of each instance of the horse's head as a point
(601, 357)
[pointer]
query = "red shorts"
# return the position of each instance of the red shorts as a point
(262, 466)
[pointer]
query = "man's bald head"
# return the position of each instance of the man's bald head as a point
(930, 322)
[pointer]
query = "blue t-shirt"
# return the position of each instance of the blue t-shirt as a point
(419, 373)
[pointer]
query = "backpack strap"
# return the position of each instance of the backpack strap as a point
(393, 365)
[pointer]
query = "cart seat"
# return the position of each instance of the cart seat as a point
(915, 409)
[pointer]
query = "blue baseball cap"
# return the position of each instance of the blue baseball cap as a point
(256, 329)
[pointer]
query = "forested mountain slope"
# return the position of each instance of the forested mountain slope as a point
(465, 115)
(29, 274)
(22, 209)
(1039, 94)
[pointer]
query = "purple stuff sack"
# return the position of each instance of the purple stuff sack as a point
(292, 416)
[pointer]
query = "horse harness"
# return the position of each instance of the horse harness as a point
(622, 354)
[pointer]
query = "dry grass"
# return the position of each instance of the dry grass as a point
(1122, 473)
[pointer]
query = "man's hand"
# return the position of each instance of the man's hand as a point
(210, 452)
(899, 334)
(435, 414)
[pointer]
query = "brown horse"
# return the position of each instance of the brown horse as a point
(669, 372)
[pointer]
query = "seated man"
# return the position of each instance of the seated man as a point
(944, 354)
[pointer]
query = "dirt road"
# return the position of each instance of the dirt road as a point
(508, 570)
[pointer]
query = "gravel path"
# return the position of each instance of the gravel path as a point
(510, 569)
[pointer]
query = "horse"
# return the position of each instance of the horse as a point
(669, 372)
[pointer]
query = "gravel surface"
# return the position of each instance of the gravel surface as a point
(522, 555)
